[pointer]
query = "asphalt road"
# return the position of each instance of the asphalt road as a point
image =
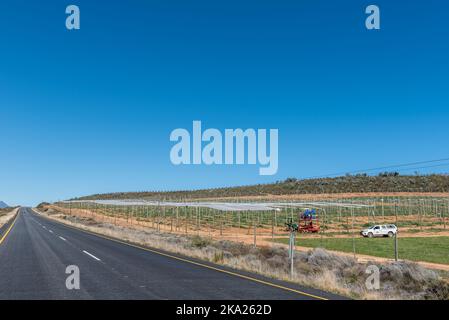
(36, 252)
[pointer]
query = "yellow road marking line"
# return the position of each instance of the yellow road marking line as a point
(9, 229)
(192, 262)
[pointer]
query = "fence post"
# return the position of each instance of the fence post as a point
(221, 222)
(396, 211)
(383, 210)
(127, 214)
(239, 216)
(187, 220)
(444, 216)
(275, 219)
(172, 217)
(255, 231)
(396, 246)
(158, 219)
(197, 220)
(163, 221)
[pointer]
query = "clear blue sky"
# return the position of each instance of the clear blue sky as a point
(91, 111)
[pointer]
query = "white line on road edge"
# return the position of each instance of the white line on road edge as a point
(62, 238)
(51, 231)
(89, 254)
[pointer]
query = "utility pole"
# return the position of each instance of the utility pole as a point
(353, 239)
(291, 248)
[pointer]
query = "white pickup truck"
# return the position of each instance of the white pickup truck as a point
(384, 230)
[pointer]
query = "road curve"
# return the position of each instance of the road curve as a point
(36, 252)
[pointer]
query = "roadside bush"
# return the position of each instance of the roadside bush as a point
(437, 290)
(200, 242)
(218, 257)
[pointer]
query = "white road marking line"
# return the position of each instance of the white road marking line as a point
(89, 254)
(63, 239)
(50, 231)
(44, 227)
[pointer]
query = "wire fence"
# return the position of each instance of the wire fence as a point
(421, 222)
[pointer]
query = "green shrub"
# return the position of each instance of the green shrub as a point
(218, 257)
(200, 242)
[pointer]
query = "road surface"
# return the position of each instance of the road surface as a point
(36, 252)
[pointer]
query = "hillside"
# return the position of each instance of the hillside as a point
(345, 184)
(3, 205)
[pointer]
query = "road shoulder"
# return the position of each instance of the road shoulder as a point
(6, 224)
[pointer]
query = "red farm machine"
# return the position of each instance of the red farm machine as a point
(307, 223)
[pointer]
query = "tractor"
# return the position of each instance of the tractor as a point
(308, 222)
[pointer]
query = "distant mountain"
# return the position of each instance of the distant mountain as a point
(3, 205)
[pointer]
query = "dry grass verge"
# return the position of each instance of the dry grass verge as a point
(316, 268)
(7, 215)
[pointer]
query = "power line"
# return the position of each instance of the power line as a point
(385, 168)
(434, 166)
